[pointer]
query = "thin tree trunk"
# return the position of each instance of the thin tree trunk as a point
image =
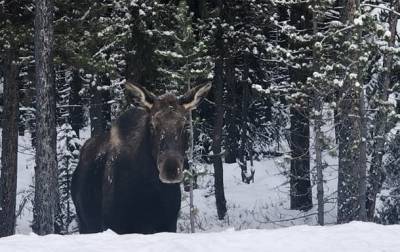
(243, 128)
(75, 102)
(218, 124)
(318, 160)
(8, 179)
(376, 173)
(190, 161)
(318, 109)
(46, 189)
(362, 164)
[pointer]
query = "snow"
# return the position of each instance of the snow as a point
(358, 21)
(25, 183)
(387, 34)
(352, 237)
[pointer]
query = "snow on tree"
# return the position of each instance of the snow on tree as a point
(68, 146)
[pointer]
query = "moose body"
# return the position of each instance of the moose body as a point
(128, 179)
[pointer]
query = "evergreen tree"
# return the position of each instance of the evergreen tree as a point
(381, 84)
(68, 146)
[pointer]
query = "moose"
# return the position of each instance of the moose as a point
(128, 180)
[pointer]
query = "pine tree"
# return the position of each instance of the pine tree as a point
(68, 146)
(186, 61)
(389, 211)
(245, 26)
(381, 118)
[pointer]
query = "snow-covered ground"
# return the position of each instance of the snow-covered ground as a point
(262, 204)
(353, 237)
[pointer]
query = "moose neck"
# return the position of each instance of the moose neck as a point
(134, 131)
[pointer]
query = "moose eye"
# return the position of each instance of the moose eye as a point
(163, 144)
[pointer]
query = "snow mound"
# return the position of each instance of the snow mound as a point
(353, 237)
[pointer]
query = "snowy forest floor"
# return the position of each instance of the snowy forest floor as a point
(353, 237)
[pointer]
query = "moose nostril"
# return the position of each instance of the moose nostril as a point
(171, 168)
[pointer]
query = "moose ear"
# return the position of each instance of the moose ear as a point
(140, 95)
(192, 98)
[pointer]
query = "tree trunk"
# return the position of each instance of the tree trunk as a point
(232, 134)
(46, 188)
(141, 66)
(100, 110)
(362, 164)
(246, 176)
(75, 102)
(300, 184)
(190, 159)
(318, 116)
(376, 173)
(8, 179)
(318, 160)
(218, 124)
(348, 157)
(352, 133)
(198, 8)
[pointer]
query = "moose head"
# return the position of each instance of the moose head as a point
(168, 115)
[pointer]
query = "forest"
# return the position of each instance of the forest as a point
(278, 69)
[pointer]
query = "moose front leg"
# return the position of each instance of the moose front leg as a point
(108, 192)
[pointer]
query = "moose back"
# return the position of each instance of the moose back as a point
(128, 179)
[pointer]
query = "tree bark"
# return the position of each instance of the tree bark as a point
(352, 132)
(376, 173)
(190, 155)
(76, 110)
(100, 110)
(46, 188)
(232, 134)
(318, 160)
(218, 124)
(300, 184)
(362, 164)
(8, 179)
(318, 116)
(348, 158)
(246, 177)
